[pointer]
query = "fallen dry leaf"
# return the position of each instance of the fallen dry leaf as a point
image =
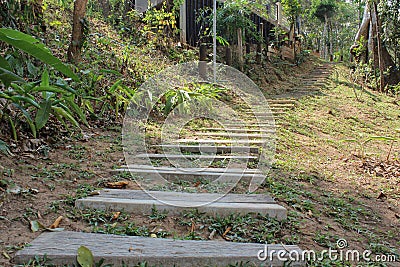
(56, 223)
(226, 232)
(117, 185)
(193, 226)
(116, 215)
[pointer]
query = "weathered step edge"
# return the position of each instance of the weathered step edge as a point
(142, 205)
(61, 248)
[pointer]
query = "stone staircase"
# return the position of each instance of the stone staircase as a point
(237, 142)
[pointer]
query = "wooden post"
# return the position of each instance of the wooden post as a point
(280, 13)
(259, 45)
(182, 22)
(228, 56)
(203, 61)
(240, 47)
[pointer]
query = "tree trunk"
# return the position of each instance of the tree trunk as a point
(330, 32)
(362, 36)
(377, 46)
(324, 48)
(370, 33)
(240, 47)
(78, 27)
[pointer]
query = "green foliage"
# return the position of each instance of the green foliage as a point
(362, 143)
(360, 49)
(160, 25)
(33, 102)
(323, 9)
(100, 100)
(34, 47)
(180, 97)
(302, 56)
(231, 16)
(19, 14)
(291, 8)
(157, 215)
(85, 257)
(4, 148)
(390, 17)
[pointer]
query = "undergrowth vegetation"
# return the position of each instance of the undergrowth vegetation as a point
(114, 65)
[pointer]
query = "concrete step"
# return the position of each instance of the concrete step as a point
(235, 136)
(209, 149)
(219, 170)
(240, 130)
(272, 101)
(194, 157)
(253, 125)
(61, 248)
(193, 174)
(140, 202)
(213, 141)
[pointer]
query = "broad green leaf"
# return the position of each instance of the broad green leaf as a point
(13, 129)
(7, 77)
(19, 89)
(77, 110)
(43, 114)
(45, 79)
(4, 148)
(65, 87)
(49, 89)
(379, 138)
(35, 48)
(85, 257)
(66, 114)
(115, 86)
(26, 100)
(111, 71)
(36, 226)
(4, 64)
(28, 118)
(32, 69)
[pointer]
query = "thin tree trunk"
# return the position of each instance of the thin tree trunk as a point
(330, 40)
(324, 36)
(362, 36)
(240, 47)
(74, 50)
(370, 32)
